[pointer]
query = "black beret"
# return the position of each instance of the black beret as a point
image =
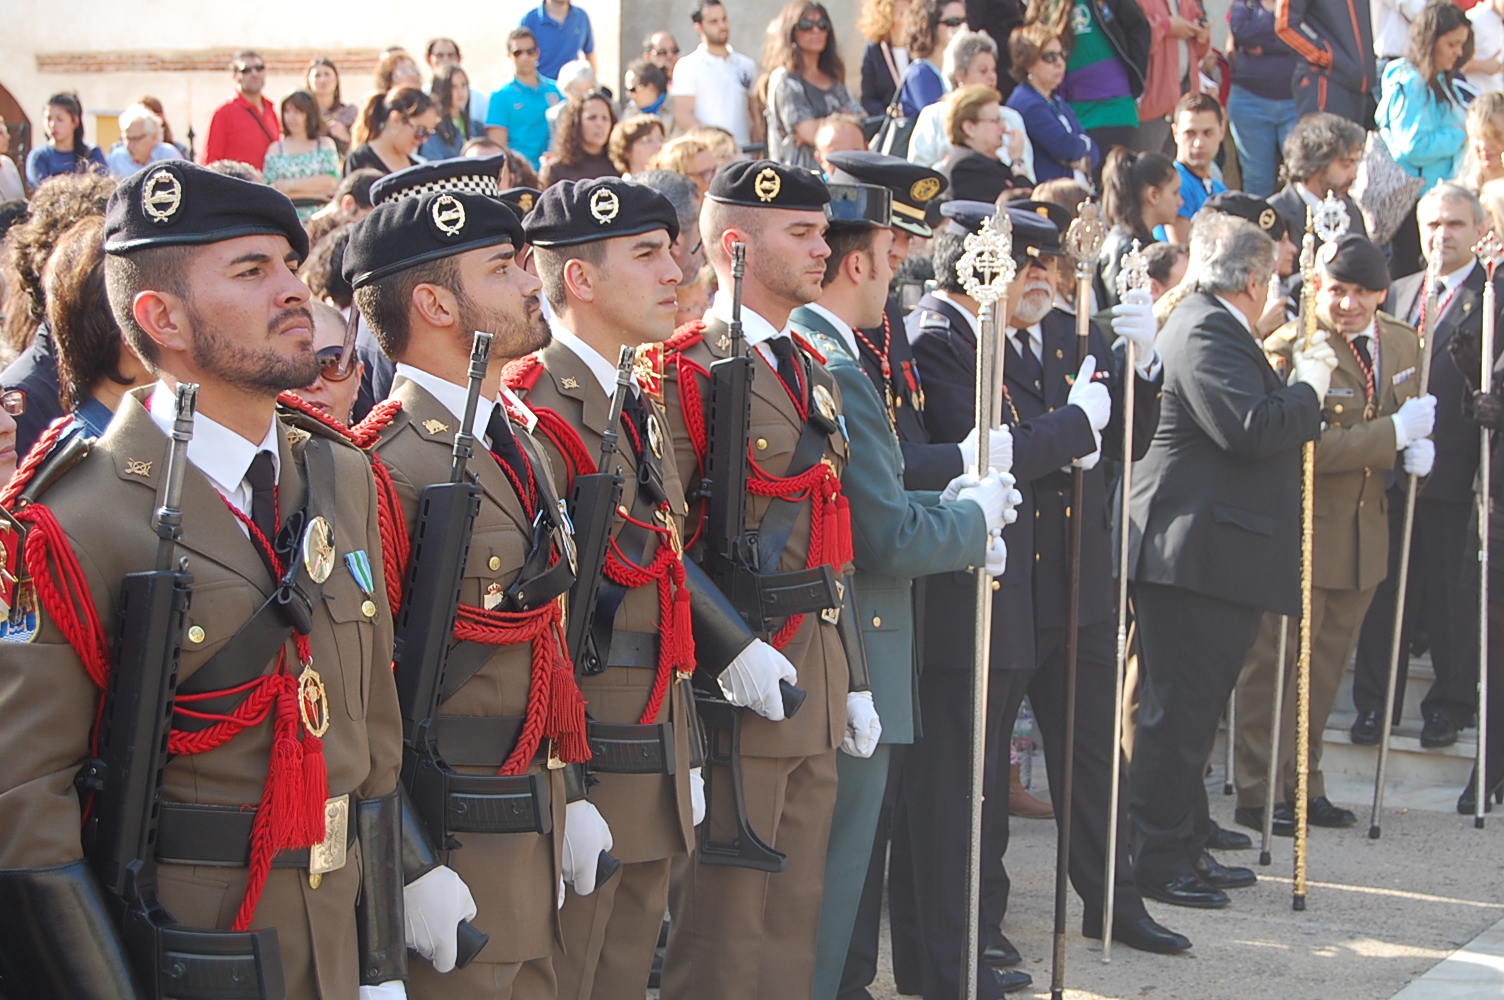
(1356, 259)
(521, 199)
(914, 187)
(407, 232)
(476, 174)
(1255, 210)
(573, 212)
(860, 205)
(177, 203)
(765, 184)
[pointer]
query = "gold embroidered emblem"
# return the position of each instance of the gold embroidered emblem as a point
(767, 185)
(136, 467)
(435, 426)
(1266, 219)
(570, 383)
(604, 205)
(493, 597)
(924, 189)
(448, 214)
(162, 196)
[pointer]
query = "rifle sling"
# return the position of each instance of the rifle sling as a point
(778, 522)
(255, 644)
(632, 540)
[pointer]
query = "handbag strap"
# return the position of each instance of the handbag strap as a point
(887, 51)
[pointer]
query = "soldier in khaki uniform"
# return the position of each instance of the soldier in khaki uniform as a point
(1374, 420)
(428, 270)
(201, 276)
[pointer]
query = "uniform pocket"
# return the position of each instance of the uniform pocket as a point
(353, 638)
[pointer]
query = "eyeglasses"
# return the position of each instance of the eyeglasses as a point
(421, 132)
(258, 68)
(953, 22)
(136, 138)
(805, 24)
(329, 359)
(524, 52)
(13, 401)
(662, 53)
(1052, 57)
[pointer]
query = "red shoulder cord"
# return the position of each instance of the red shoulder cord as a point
(676, 644)
(555, 707)
(290, 814)
(830, 512)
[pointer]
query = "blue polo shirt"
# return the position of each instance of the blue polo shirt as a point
(558, 43)
(1193, 194)
(521, 110)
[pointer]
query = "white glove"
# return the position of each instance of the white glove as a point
(1419, 456)
(1415, 420)
(999, 445)
(863, 727)
(991, 495)
(586, 835)
(1012, 501)
(997, 555)
(1133, 320)
(433, 906)
(696, 797)
(1314, 365)
(751, 680)
(953, 488)
(1093, 398)
(1089, 461)
(392, 989)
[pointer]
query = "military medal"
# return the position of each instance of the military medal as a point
(655, 436)
(313, 701)
(318, 550)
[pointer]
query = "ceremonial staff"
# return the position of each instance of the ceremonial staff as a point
(1133, 276)
(1490, 251)
(1272, 779)
(1427, 331)
(986, 270)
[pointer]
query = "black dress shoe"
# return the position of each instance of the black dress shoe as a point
(1253, 818)
(1321, 812)
(1000, 952)
(1467, 802)
(1228, 840)
(1367, 730)
(1215, 873)
(1144, 934)
(1440, 730)
(1186, 890)
(1012, 981)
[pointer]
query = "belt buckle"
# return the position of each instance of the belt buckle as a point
(832, 616)
(330, 854)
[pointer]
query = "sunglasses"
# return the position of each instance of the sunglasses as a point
(330, 367)
(13, 401)
(421, 132)
(1052, 57)
(805, 24)
(661, 53)
(952, 22)
(259, 68)
(524, 52)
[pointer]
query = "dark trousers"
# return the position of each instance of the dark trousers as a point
(861, 954)
(1443, 593)
(1315, 92)
(931, 823)
(1091, 784)
(1191, 649)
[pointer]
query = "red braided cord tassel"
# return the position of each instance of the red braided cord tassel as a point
(365, 433)
(396, 546)
(34, 458)
(293, 401)
(276, 826)
(65, 596)
(566, 705)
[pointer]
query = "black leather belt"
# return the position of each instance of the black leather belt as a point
(633, 649)
(620, 749)
(218, 836)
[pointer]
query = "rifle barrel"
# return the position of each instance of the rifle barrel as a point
(169, 516)
(464, 441)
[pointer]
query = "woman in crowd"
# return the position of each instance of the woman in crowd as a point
(646, 85)
(392, 126)
(1061, 146)
(970, 61)
(65, 151)
(1260, 108)
(1139, 192)
(396, 68)
(930, 25)
(974, 125)
(721, 143)
(95, 365)
(805, 82)
(322, 81)
(1483, 160)
(451, 96)
(1420, 115)
(687, 155)
(580, 150)
(11, 188)
(1106, 44)
(330, 392)
(634, 143)
(885, 58)
(304, 163)
(141, 142)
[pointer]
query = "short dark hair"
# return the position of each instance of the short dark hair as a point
(552, 260)
(1196, 104)
(243, 55)
(947, 249)
(158, 269)
(700, 5)
(1161, 258)
(649, 73)
(1317, 140)
(386, 302)
(518, 33)
(845, 241)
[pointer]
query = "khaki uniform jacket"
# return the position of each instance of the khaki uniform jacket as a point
(514, 876)
(1354, 456)
(649, 814)
(47, 701)
(815, 650)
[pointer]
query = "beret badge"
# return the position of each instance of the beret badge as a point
(768, 184)
(1266, 219)
(162, 196)
(448, 215)
(604, 205)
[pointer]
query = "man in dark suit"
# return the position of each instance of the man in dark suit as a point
(1321, 155)
(1443, 573)
(1215, 523)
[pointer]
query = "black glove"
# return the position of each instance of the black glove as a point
(1486, 408)
(1467, 355)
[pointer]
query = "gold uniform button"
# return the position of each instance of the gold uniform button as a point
(762, 444)
(1337, 408)
(196, 634)
(997, 585)
(368, 608)
(1036, 557)
(877, 621)
(494, 563)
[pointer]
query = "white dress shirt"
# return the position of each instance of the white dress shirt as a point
(755, 330)
(221, 454)
(1239, 314)
(1445, 295)
(451, 395)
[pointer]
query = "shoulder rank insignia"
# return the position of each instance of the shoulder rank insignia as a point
(136, 467)
(435, 426)
(569, 382)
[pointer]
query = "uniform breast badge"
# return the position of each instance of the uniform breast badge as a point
(318, 550)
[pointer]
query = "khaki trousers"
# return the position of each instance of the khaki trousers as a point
(739, 934)
(482, 980)
(1336, 617)
(610, 935)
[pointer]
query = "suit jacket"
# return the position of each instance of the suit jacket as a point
(1351, 535)
(1456, 436)
(649, 814)
(1215, 506)
(897, 536)
(48, 703)
(815, 649)
(1110, 262)
(974, 177)
(517, 873)
(1292, 208)
(927, 465)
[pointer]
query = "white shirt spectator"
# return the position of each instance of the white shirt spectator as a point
(11, 188)
(1488, 43)
(928, 144)
(720, 87)
(1391, 25)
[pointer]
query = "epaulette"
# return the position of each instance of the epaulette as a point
(931, 320)
(521, 374)
(807, 347)
(685, 337)
(827, 346)
(306, 417)
(366, 433)
(62, 446)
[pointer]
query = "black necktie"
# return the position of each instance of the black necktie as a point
(504, 446)
(783, 350)
(1029, 366)
(262, 479)
(1360, 344)
(634, 418)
